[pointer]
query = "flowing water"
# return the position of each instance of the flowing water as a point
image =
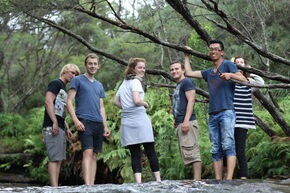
(167, 186)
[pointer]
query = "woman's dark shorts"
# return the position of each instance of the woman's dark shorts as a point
(92, 137)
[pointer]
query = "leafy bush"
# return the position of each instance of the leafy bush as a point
(11, 125)
(266, 158)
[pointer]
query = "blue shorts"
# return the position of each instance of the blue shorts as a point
(221, 133)
(92, 137)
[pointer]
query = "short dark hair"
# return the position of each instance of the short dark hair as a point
(217, 42)
(177, 61)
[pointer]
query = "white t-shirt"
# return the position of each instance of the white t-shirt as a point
(125, 92)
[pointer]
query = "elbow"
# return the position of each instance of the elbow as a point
(47, 103)
(116, 103)
(137, 101)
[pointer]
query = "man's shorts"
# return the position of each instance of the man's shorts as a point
(92, 137)
(188, 143)
(55, 145)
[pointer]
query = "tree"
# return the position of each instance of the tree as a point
(149, 27)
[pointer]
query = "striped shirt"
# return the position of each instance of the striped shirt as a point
(244, 107)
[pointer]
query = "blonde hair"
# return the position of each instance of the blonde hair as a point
(70, 67)
(91, 55)
(132, 64)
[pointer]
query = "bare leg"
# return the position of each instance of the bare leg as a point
(89, 166)
(196, 170)
(138, 177)
(231, 163)
(218, 169)
(93, 168)
(53, 171)
(157, 176)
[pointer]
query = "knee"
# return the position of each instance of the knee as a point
(89, 153)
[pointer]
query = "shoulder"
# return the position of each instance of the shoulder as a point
(229, 66)
(229, 63)
(135, 81)
(187, 81)
(187, 84)
(77, 79)
(207, 70)
(55, 83)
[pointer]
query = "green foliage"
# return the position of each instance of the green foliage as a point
(267, 158)
(11, 125)
(165, 140)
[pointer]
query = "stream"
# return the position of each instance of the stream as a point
(166, 186)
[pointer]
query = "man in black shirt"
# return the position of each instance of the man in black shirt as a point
(54, 121)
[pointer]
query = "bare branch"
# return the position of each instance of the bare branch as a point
(231, 29)
(144, 34)
(264, 126)
(116, 15)
(269, 75)
(273, 111)
(182, 9)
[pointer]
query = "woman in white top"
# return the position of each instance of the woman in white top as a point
(244, 116)
(136, 128)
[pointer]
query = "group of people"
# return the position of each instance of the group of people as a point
(230, 115)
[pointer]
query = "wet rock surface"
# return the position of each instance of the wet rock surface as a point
(169, 186)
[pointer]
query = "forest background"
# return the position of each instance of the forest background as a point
(38, 37)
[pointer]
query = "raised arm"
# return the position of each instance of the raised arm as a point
(188, 70)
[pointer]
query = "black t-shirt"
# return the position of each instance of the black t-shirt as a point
(179, 103)
(57, 87)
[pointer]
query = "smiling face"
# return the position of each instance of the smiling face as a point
(140, 69)
(177, 72)
(92, 66)
(215, 51)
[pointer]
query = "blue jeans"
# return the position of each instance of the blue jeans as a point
(221, 134)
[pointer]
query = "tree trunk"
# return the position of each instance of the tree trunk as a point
(265, 127)
(273, 111)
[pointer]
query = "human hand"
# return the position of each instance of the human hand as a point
(55, 129)
(69, 134)
(107, 132)
(79, 125)
(185, 127)
(226, 76)
(189, 48)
